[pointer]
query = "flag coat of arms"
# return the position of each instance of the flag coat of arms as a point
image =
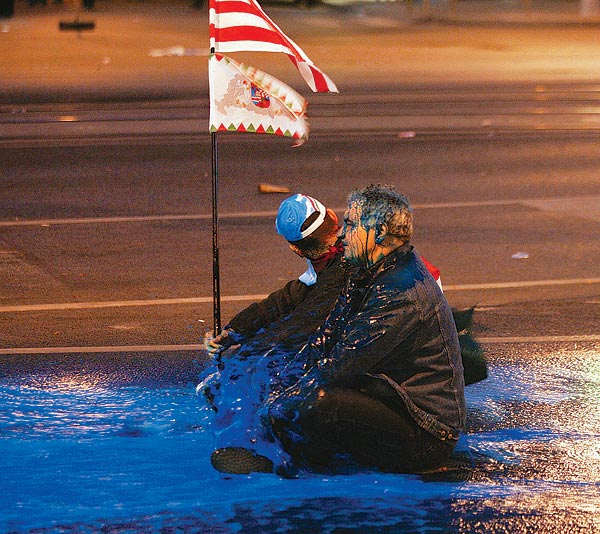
(246, 99)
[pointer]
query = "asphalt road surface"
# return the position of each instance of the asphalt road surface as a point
(105, 249)
(105, 230)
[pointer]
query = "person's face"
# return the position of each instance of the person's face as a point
(358, 241)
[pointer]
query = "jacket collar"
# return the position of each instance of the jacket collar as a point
(385, 263)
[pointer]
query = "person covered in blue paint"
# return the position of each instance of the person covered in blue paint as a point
(273, 331)
(383, 384)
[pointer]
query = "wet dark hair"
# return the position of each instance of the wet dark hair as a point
(314, 243)
(382, 204)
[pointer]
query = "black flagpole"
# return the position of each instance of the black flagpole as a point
(215, 231)
(215, 241)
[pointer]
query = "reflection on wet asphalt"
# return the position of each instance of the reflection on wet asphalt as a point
(544, 404)
(117, 443)
(103, 370)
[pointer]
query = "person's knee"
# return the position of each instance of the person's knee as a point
(321, 398)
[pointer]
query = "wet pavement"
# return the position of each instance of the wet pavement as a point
(116, 444)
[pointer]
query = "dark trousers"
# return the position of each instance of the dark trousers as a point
(371, 432)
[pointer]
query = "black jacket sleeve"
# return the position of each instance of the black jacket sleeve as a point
(261, 314)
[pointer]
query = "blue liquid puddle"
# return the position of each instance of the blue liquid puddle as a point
(80, 452)
(237, 389)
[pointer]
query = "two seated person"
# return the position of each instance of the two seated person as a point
(359, 358)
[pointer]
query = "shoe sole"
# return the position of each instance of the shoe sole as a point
(240, 461)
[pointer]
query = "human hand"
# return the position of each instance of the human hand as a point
(220, 342)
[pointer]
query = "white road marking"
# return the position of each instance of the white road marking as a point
(522, 284)
(123, 303)
(244, 298)
(104, 349)
(575, 204)
(586, 207)
(137, 218)
(54, 306)
(538, 339)
(200, 347)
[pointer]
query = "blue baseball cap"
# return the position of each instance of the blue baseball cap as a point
(292, 213)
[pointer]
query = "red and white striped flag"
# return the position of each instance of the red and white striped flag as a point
(242, 25)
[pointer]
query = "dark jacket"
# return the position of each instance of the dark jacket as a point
(289, 316)
(261, 314)
(272, 332)
(391, 334)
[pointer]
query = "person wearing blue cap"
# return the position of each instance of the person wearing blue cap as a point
(311, 231)
(270, 333)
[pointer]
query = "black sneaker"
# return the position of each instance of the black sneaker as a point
(240, 461)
